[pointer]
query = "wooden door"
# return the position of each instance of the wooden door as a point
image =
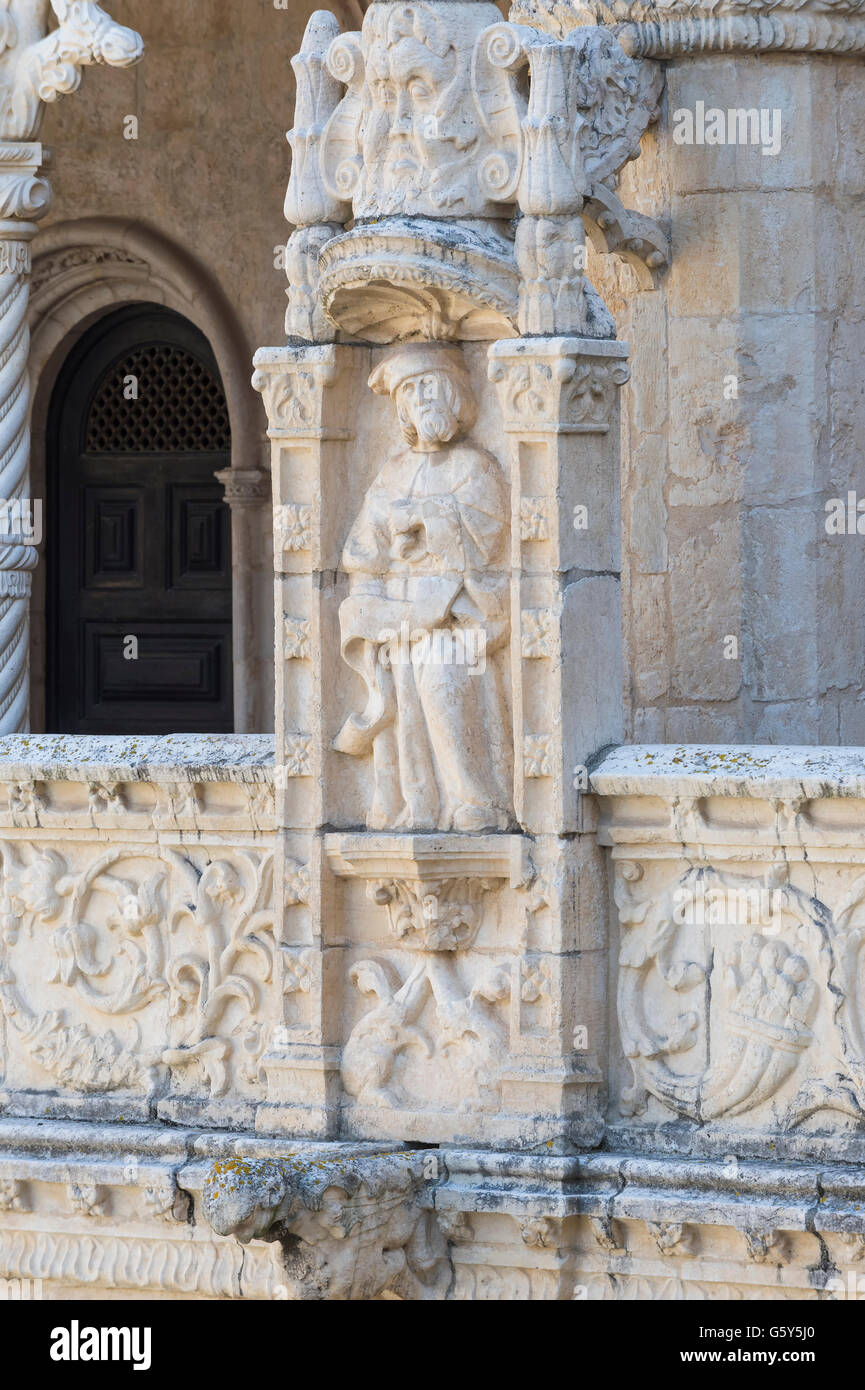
(139, 539)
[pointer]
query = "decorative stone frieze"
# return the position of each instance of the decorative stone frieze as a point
(672, 30)
(97, 1209)
(139, 964)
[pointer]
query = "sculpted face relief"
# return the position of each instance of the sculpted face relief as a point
(415, 136)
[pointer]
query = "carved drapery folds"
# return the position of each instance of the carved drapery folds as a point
(35, 67)
(431, 128)
(428, 610)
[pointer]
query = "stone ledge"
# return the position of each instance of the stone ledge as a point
(139, 758)
(752, 770)
(422, 858)
(678, 28)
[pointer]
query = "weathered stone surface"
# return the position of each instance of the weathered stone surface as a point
(403, 921)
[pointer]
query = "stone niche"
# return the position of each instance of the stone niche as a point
(444, 422)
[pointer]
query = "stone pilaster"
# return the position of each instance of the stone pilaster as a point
(306, 395)
(447, 577)
(560, 407)
(247, 493)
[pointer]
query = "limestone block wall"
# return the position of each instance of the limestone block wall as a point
(747, 414)
(746, 408)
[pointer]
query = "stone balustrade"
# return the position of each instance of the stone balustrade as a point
(141, 976)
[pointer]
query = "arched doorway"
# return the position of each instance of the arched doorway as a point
(139, 537)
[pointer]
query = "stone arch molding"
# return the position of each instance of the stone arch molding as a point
(83, 269)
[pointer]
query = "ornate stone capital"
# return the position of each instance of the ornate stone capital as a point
(430, 128)
(244, 487)
(294, 382)
(435, 915)
(558, 385)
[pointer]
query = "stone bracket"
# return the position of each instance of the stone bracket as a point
(351, 1228)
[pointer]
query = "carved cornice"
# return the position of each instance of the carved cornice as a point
(425, 858)
(645, 28)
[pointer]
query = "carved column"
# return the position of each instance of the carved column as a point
(35, 67)
(247, 493)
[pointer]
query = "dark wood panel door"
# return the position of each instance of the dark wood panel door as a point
(139, 554)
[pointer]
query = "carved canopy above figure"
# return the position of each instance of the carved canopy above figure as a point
(430, 130)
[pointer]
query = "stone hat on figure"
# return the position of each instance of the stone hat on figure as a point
(415, 359)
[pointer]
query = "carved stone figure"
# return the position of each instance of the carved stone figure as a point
(422, 136)
(428, 610)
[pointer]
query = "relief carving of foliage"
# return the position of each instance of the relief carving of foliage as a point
(116, 941)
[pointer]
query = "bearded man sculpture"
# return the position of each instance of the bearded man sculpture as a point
(428, 608)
